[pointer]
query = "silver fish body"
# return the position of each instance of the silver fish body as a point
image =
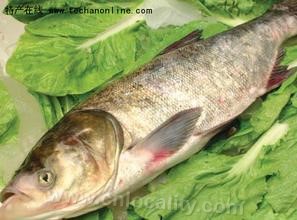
(223, 75)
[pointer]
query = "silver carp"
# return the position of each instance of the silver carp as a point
(134, 129)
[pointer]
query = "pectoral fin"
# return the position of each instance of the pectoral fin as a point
(172, 134)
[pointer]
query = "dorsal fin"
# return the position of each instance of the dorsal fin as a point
(190, 38)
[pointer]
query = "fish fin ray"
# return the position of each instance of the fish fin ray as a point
(279, 72)
(190, 38)
(278, 75)
(280, 56)
(173, 133)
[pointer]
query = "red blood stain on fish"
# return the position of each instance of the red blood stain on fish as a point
(161, 155)
(157, 158)
(222, 100)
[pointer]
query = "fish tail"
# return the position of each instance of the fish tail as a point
(282, 23)
(283, 17)
(289, 6)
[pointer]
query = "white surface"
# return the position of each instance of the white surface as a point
(270, 137)
(170, 12)
(31, 120)
(165, 13)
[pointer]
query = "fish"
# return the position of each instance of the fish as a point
(139, 126)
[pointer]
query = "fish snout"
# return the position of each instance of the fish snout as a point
(12, 201)
(11, 191)
(5, 214)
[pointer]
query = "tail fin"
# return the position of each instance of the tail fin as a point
(289, 6)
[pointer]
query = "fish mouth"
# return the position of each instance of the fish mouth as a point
(10, 193)
(13, 204)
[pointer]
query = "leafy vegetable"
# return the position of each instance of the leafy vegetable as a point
(291, 54)
(9, 122)
(104, 214)
(57, 67)
(54, 108)
(234, 12)
(9, 118)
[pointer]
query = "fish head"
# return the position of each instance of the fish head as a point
(70, 166)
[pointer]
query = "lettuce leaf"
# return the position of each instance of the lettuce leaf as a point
(55, 66)
(234, 12)
(9, 123)
(9, 120)
(291, 55)
(54, 108)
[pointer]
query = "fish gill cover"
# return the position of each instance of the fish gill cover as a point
(62, 58)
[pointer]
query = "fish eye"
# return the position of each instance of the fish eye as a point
(46, 178)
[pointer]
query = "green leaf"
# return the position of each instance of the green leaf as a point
(56, 65)
(9, 125)
(9, 121)
(54, 108)
(90, 216)
(291, 55)
(233, 11)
